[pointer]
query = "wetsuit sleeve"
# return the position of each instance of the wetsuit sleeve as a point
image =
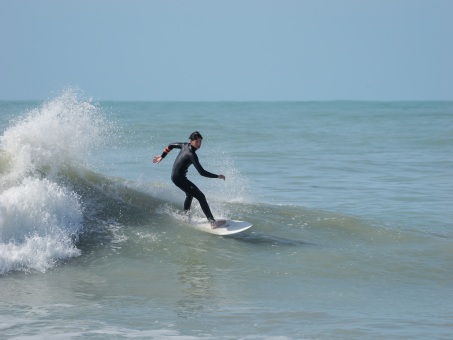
(170, 147)
(200, 169)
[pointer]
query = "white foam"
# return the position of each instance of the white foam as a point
(61, 132)
(38, 222)
(40, 215)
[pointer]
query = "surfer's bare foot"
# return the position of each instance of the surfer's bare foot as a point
(217, 224)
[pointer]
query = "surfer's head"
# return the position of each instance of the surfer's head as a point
(195, 139)
(195, 135)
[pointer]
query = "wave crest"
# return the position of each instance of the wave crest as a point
(40, 213)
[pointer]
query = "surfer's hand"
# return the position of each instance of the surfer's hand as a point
(157, 159)
(221, 177)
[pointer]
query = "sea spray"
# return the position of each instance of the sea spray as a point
(39, 221)
(40, 214)
(61, 132)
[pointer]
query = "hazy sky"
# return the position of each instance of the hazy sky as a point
(227, 50)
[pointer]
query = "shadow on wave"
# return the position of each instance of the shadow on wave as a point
(267, 239)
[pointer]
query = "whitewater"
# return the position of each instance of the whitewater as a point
(350, 204)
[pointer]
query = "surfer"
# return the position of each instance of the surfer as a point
(186, 157)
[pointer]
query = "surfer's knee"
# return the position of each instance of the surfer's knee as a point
(200, 196)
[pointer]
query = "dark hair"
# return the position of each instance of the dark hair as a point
(195, 135)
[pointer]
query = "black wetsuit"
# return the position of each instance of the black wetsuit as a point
(186, 158)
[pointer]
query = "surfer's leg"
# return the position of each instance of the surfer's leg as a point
(184, 185)
(188, 202)
(201, 198)
(205, 207)
(192, 191)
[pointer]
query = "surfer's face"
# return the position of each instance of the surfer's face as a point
(196, 143)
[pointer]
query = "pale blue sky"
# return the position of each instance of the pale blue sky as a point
(227, 50)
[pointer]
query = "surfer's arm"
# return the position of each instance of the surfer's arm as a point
(166, 151)
(202, 171)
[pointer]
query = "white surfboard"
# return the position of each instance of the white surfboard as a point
(229, 228)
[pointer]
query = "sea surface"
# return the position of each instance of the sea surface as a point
(351, 205)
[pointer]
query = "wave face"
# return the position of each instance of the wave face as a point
(41, 215)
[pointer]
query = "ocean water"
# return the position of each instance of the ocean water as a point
(351, 205)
